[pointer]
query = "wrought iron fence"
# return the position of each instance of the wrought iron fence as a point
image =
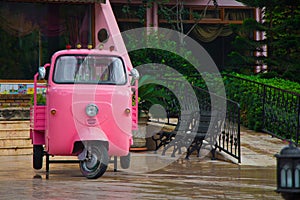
(228, 139)
(276, 111)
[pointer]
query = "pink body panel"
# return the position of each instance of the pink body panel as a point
(70, 122)
(104, 18)
(37, 124)
(63, 121)
(39, 118)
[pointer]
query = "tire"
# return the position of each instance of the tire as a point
(38, 153)
(125, 161)
(97, 164)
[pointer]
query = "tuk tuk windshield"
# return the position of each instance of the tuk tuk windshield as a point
(89, 69)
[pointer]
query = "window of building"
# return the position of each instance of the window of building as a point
(31, 32)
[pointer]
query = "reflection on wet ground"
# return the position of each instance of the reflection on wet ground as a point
(182, 179)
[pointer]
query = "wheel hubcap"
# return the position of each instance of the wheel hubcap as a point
(92, 162)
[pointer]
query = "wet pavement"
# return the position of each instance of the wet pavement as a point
(153, 176)
(182, 179)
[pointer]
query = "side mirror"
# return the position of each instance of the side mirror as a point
(135, 74)
(42, 72)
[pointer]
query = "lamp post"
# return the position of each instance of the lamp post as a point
(288, 172)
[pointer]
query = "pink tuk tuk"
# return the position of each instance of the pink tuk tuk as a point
(90, 110)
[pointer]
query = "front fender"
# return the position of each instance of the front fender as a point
(87, 134)
(91, 133)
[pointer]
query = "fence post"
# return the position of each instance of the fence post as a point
(263, 106)
(298, 122)
(239, 131)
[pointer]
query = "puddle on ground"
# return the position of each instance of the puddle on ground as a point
(182, 179)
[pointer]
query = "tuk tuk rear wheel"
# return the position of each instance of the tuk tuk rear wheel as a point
(96, 165)
(38, 153)
(125, 161)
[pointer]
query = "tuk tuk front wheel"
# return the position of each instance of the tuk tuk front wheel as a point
(96, 162)
(38, 153)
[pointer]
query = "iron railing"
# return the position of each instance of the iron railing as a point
(228, 139)
(278, 110)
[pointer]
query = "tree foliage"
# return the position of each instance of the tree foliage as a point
(157, 54)
(280, 24)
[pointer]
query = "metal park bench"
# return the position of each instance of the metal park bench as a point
(166, 137)
(190, 132)
(213, 124)
(223, 131)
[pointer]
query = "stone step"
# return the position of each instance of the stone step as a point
(15, 142)
(15, 151)
(14, 133)
(14, 138)
(14, 124)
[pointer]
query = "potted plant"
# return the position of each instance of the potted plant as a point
(149, 94)
(41, 99)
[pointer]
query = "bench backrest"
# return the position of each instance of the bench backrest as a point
(197, 123)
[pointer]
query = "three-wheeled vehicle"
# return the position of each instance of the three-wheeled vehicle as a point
(89, 111)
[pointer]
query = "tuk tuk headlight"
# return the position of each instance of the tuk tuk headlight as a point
(91, 110)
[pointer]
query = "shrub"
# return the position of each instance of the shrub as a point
(280, 107)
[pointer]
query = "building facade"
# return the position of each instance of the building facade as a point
(32, 30)
(202, 20)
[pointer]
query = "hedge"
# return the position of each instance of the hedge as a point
(249, 95)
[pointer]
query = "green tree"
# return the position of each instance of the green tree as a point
(281, 23)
